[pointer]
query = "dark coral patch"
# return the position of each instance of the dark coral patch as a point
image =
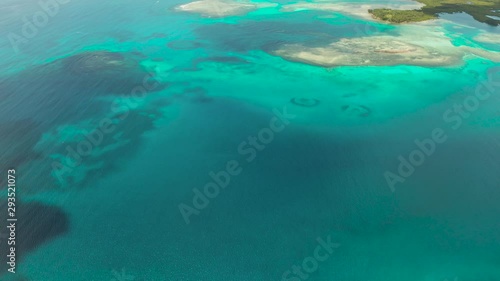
(305, 102)
(356, 110)
(195, 64)
(97, 62)
(84, 75)
(183, 45)
(159, 35)
(37, 224)
(197, 95)
(42, 98)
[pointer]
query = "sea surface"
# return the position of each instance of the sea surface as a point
(114, 211)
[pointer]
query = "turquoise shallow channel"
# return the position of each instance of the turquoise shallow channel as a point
(226, 140)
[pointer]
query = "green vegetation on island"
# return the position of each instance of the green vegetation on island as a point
(401, 16)
(486, 11)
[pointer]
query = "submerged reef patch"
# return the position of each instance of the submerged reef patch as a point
(418, 49)
(108, 72)
(96, 151)
(76, 79)
(305, 102)
(196, 95)
(77, 92)
(223, 60)
(97, 62)
(64, 90)
(37, 224)
(222, 8)
(356, 110)
(379, 50)
(184, 45)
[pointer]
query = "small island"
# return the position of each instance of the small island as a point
(485, 11)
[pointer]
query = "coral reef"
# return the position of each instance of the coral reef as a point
(37, 224)
(376, 50)
(221, 8)
(305, 102)
(98, 61)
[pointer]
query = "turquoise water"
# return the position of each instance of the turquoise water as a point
(217, 83)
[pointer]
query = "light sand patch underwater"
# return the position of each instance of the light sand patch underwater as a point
(353, 9)
(379, 50)
(222, 8)
(418, 45)
(491, 38)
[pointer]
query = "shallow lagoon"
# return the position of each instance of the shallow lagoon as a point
(218, 83)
